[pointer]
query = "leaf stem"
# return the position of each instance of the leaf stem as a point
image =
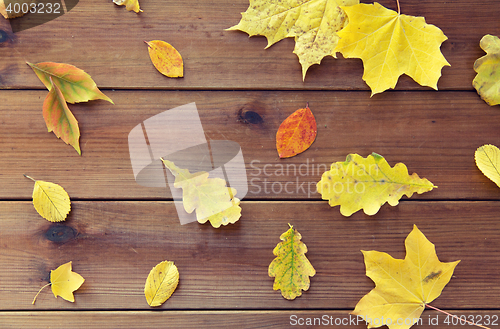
(39, 291)
(456, 317)
(399, 8)
(29, 177)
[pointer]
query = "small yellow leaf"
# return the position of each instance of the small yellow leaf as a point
(368, 183)
(487, 80)
(64, 281)
(161, 283)
(488, 161)
(291, 268)
(51, 201)
(212, 199)
(166, 58)
(403, 286)
(3, 12)
(391, 44)
(131, 5)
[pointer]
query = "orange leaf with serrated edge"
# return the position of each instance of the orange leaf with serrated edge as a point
(59, 118)
(166, 58)
(76, 85)
(296, 133)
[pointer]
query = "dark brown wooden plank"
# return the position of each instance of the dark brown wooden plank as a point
(434, 134)
(114, 245)
(221, 319)
(218, 59)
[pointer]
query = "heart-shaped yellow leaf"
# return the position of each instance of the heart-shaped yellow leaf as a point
(161, 283)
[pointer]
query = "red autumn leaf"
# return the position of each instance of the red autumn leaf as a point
(296, 133)
(59, 118)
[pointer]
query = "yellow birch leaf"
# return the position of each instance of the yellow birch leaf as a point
(488, 161)
(487, 80)
(368, 183)
(313, 23)
(51, 201)
(403, 287)
(166, 59)
(291, 268)
(212, 199)
(63, 281)
(391, 44)
(161, 283)
(131, 5)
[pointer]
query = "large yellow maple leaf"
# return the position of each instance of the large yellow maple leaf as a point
(391, 44)
(313, 23)
(487, 80)
(403, 287)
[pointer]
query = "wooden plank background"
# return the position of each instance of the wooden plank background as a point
(118, 230)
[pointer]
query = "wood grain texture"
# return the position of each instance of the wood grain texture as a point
(219, 319)
(219, 59)
(114, 245)
(434, 134)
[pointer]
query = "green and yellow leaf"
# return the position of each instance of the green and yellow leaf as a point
(487, 80)
(391, 44)
(403, 287)
(210, 197)
(368, 183)
(161, 283)
(291, 268)
(60, 119)
(51, 201)
(313, 23)
(488, 161)
(75, 85)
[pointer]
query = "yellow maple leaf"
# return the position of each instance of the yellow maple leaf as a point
(403, 287)
(63, 281)
(488, 161)
(161, 283)
(291, 268)
(391, 44)
(212, 199)
(487, 80)
(130, 5)
(313, 23)
(50, 200)
(368, 183)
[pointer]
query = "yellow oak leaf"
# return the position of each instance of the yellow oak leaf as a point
(487, 80)
(64, 281)
(313, 24)
(368, 183)
(212, 199)
(161, 283)
(403, 287)
(488, 161)
(166, 58)
(131, 5)
(391, 44)
(50, 200)
(291, 268)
